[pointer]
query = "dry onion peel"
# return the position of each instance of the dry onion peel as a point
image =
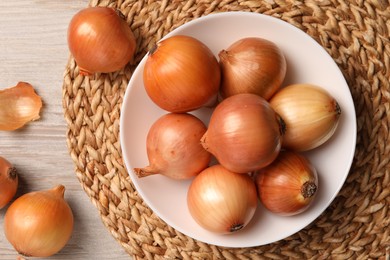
(18, 106)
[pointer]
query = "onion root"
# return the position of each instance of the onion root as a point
(309, 189)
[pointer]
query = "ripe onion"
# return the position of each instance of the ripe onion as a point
(174, 149)
(222, 201)
(8, 182)
(18, 106)
(100, 40)
(244, 133)
(181, 74)
(40, 223)
(289, 185)
(311, 115)
(252, 65)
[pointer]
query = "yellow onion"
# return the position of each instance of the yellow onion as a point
(252, 65)
(173, 147)
(100, 40)
(18, 106)
(40, 223)
(8, 182)
(244, 133)
(310, 113)
(289, 185)
(181, 74)
(222, 201)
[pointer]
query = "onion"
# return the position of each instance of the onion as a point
(289, 185)
(222, 201)
(39, 223)
(8, 182)
(181, 74)
(100, 40)
(252, 65)
(18, 106)
(244, 133)
(174, 149)
(310, 113)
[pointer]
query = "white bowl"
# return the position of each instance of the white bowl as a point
(307, 62)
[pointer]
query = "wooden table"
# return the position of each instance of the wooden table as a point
(33, 48)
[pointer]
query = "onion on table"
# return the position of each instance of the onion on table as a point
(39, 223)
(100, 40)
(8, 182)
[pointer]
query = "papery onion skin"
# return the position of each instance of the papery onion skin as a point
(40, 223)
(310, 113)
(181, 74)
(18, 106)
(222, 201)
(100, 40)
(244, 133)
(8, 182)
(289, 185)
(252, 65)
(174, 149)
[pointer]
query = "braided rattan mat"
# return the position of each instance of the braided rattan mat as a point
(356, 225)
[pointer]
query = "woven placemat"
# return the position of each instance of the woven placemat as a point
(355, 226)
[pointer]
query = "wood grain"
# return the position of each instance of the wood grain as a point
(33, 48)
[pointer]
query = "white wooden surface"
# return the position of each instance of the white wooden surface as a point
(33, 48)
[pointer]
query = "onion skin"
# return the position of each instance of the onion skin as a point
(8, 182)
(39, 224)
(289, 185)
(100, 40)
(222, 201)
(252, 65)
(310, 113)
(244, 133)
(18, 106)
(174, 149)
(181, 74)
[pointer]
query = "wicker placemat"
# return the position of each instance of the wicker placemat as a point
(355, 226)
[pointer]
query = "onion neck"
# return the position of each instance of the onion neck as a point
(308, 189)
(143, 172)
(11, 173)
(153, 49)
(223, 54)
(59, 190)
(120, 14)
(203, 142)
